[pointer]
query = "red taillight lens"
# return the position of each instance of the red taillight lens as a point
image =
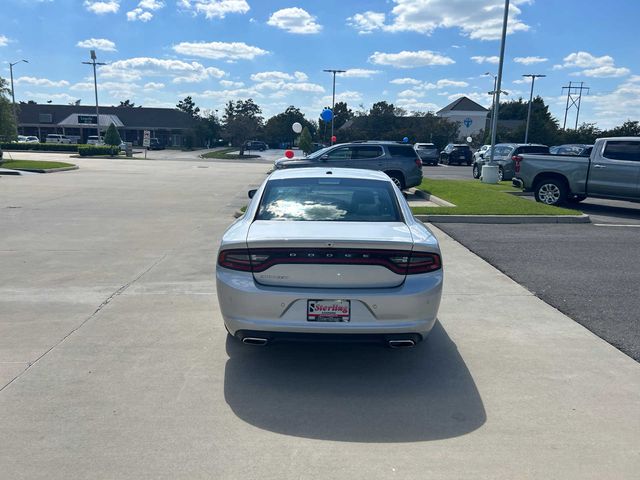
(517, 159)
(259, 260)
(418, 162)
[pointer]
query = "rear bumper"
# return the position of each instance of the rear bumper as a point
(516, 182)
(409, 308)
(275, 337)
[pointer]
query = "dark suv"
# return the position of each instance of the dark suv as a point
(456, 153)
(502, 157)
(255, 145)
(398, 160)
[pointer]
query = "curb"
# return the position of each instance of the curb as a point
(431, 198)
(505, 219)
(48, 170)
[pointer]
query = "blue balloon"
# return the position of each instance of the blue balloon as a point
(405, 139)
(326, 115)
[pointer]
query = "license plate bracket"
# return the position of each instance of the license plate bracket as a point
(336, 311)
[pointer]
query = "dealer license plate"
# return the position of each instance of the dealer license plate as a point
(328, 310)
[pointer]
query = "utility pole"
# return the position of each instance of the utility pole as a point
(494, 118)
(333, 98)
(493, 97)
(95, 86)
(533, 81)
(574, 98)
(13, 94)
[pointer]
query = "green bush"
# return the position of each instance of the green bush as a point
(96, 150)
(50, 147)
(112, 137)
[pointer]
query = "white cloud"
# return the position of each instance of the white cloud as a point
(214, 8)
(231, 84)
(272, 76)
(598, 67)
(139, 14)
(4, 41)
(181, 72)
(413, 104)
(450, 83)
(481, 98)
(153, 86)
(483, 59)
(410, 94)
(143, 12)
(367, 22)
(41, 82)
(301, 76)
(100, 7)
(224, 95)
(405, 81)
(530, 60)
(282, 87)
(359, 73)
(612, 109)
(294, 20)
(478, 19)
(219, 50)
(54, 97)
(97, 44)
(410, 59)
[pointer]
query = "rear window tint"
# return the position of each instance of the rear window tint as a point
(620, 150)
(533, 149)
(329, 199)
(427, 147)
(401, 151)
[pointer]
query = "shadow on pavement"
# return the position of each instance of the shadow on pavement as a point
(622, 210)
(354, 393)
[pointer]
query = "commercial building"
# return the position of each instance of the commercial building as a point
(169, 125)
(471, 116)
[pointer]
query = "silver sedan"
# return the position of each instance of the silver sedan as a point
(329, 254)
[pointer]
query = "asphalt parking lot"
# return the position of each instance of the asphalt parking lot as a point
(591, 273)
(114, 362)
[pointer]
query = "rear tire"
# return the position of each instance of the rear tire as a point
(551, 191)
(476, 171)
(500, 174)
(397, 179)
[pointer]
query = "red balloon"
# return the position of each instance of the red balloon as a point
(333, 139)
(289, 154)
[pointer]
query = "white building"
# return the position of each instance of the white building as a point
(471, 116)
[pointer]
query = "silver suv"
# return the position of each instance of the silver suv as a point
(398, 160)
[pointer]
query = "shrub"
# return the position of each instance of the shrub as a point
(112, 137)
(50, 147)
(97, 150)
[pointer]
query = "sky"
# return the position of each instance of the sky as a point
(417, 54)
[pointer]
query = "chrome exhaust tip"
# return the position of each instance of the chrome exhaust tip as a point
(406, 343)
(254, 341)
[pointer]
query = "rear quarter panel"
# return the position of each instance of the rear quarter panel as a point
(574, 169)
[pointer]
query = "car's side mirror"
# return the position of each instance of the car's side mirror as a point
(251, 193)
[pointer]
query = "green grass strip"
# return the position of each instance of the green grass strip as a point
(33, 164)
(472, 197)
(224, 154)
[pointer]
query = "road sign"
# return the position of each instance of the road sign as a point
(146, 141)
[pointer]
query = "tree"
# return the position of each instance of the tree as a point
(242, 121)
(277, 130)
(627, 129)
(128, 104)
(188, 106)
(341, 115)
(305, 141)
(8, 130)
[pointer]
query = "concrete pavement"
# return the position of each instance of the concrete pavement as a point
(114, 362)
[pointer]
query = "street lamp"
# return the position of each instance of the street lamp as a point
(95, 86)
(13, 95)
(533, 81)
(333, 100)
(496, 106)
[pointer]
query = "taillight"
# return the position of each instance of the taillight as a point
(259, 260)
(418, 162)
(517, 159)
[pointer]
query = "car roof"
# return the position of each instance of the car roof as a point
(626, 139)
(314, 172)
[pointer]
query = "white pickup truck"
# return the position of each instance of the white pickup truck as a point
(612, 171)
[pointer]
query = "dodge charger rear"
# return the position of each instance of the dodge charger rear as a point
(329, 254)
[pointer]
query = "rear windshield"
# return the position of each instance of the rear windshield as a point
(402, 151)
(461, 147)
(533, 149)
(426, 147)
(329, 199)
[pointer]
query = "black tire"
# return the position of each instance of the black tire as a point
(476, 171)
(500, 174)
(398, 179)
(551, 191)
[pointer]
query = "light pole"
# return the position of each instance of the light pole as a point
(333, 98)
(533, 80)
(13, 94)
(95, 86)
(496, 106)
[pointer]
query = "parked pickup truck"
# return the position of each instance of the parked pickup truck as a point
(611, 171)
